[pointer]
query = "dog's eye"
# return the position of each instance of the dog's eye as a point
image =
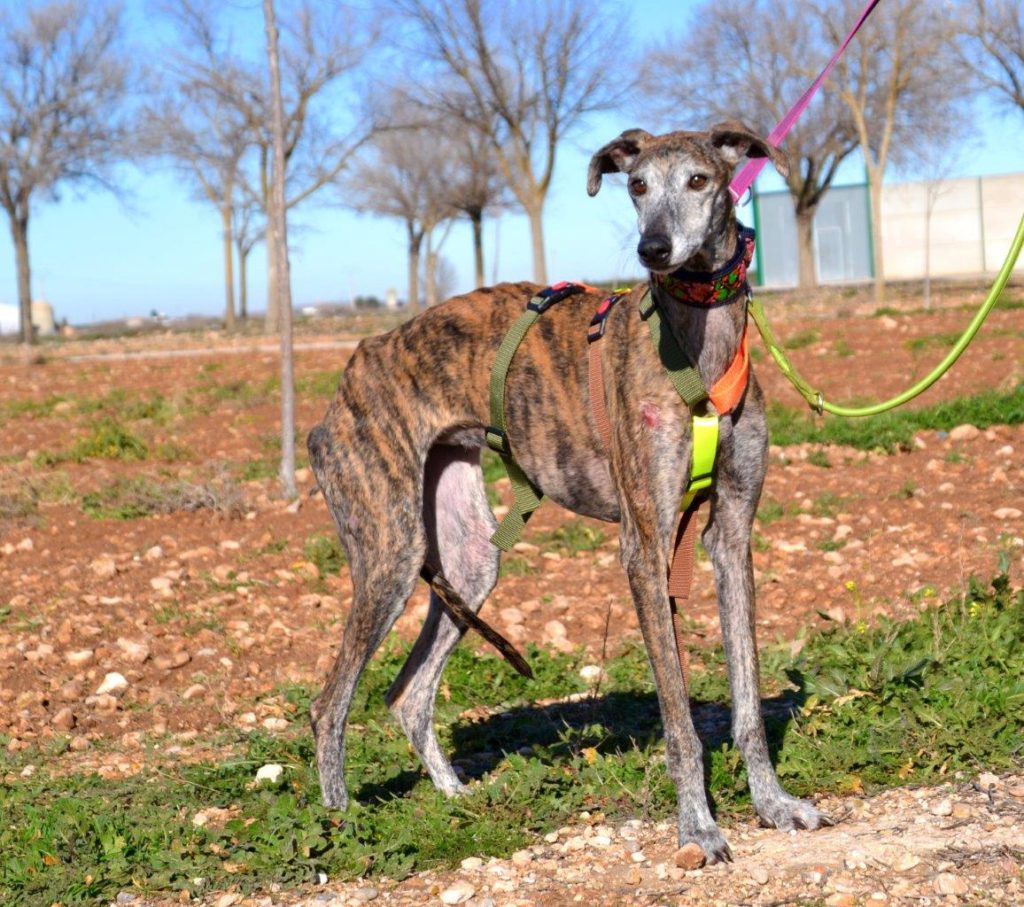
(637, 186)
(698, 181)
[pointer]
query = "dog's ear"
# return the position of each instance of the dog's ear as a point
(735, 141)
(616, 157)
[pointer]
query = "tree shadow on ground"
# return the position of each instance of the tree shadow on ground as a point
(611, 723)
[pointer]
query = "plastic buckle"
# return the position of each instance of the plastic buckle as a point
(497, 441)
(550, 295)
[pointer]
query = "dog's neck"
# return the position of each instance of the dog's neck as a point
(708, 333)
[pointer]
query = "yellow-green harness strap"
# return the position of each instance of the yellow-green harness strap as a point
(526, 496)
(688, 384)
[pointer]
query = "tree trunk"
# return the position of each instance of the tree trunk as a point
(243, 283)
(875, 180)
(805, 248)
(535, 212)
(229, 274)
(19, 234)
(476, 218)
(284, 301)
(430, 273)
(415, 243)
(270, 323)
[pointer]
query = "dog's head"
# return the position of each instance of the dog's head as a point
(679, 184)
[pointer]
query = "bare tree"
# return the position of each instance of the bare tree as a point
(249, 228)
(63, 88)
(207, 140)
(405, 176)
(278, 250)
(773, 53)
(476, 186)
(320, 47)
(993, 47)
(903, 83)
(527, 73)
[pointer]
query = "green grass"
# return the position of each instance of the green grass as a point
(859, 708)
(108, 440)
(326, 552)
(802, 339)
(571, 538)
(896, 429)
(142, 496)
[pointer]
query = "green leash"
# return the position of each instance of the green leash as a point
(816, 400)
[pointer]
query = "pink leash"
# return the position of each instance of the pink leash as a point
(749, 173)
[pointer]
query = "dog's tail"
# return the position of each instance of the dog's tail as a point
(464, 617)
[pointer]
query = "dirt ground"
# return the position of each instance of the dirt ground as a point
(202, 615)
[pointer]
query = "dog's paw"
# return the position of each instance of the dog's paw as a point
(787, 813)
(333, 793)
(711, 841)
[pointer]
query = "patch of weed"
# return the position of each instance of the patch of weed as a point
(896, 429)
(108, 440)
(514, 565)
(841, 348)
(571, 538)
(141, 496)
(326, 552)
(818, 457)
(319, 384)
(803, 339)
(770, 511)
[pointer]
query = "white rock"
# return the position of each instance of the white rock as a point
(943, 808)
(112, 683)
(554, 629)
(472, 863)
(459, 893)
(135, 652)
(270, 773)
(1007, 513)
(947, 883)
(964, 433)
(80, 657)
(759, 874)
(103, 567)
(591, 673)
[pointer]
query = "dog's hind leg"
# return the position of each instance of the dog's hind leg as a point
(381, 529)
(459, 526)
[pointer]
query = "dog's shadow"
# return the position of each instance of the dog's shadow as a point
(612, 723)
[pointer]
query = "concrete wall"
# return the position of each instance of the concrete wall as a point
(971, 225)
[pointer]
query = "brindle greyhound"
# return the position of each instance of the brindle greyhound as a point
(398, 459)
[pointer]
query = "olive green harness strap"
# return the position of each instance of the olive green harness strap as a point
(527, 497)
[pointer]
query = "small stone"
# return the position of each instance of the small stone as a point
(458, 893)
(890, 324)
(638, 856)
(591, 673)
(554, 629)
(275, 724)
(26, 544)
(522, 857)
(228, 900)
(113, 683)
(964, 433)
(690, 856)
(962, 811)
(947, 883)
(196, 691)
(906, 862)
(134, 652)
(987, 781)
(161, 584)
(943, 808)
(63, 720)
(154, 553)
(471, 864)
(364, 894)
(760, 875)
(1008, 513)
(103, 567)
(841, 899)
(270, 773)
(172, 661)
(80, 657)
(856, 860)
(511, 616)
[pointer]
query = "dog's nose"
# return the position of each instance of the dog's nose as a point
(654, 250)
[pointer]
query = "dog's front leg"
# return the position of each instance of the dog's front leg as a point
(728, 543)
(645, 560)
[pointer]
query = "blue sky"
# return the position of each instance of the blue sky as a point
(95, 257)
